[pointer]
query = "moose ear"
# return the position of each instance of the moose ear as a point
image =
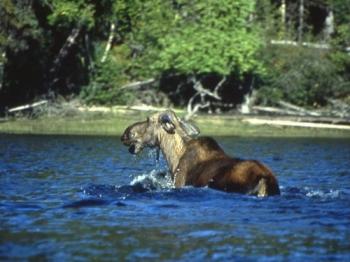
(167, 123)
(189, 128)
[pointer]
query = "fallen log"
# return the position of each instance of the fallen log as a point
(26, 107)
(260, 121)
(138, 84)
(298, 109)
(295, 43)
(273, 110)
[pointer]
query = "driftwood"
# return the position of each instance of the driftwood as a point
(286, 109)
(339, 108)
(308, 119)
(138, 84)
(305, 44)
(193, 109)
(27, 107)
(202, 92)
(272, 110)
(293, 123)
(298, 109)
(197, 85)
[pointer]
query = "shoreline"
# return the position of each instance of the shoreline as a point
(113, 122)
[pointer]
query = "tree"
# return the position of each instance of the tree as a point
(198, 39)
(21, 41)
(47, 47)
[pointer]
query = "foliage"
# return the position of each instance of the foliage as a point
(18, 26)
(158, 38)
(21, 43)
(102, 89)
(303, 76)
(106, 80)
(71, 12)
(200, 37)
(341, 38)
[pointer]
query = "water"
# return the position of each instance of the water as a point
(86, 198)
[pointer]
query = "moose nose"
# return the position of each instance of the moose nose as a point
(124, 137)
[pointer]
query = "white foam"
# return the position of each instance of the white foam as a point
(329, 194)
(154, 179)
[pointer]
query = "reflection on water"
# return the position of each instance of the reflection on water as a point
(65, 198)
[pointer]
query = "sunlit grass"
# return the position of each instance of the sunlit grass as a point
(114, 124)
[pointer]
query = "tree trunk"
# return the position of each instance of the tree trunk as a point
(2, 65)
(88, 52)
(109, 42)
(301, 21)
(283, 17)
(64, 51)
(329, 25)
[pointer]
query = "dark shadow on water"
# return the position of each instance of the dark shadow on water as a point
(86, 203)
(99, 195)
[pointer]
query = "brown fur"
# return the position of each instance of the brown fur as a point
(199, 161)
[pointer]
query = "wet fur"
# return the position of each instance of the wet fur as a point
(204, 163)
(199, 161)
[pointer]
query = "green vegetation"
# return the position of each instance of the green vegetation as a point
(290, 50)
(302, 76)
(114, 124)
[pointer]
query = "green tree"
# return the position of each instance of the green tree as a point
(215, 37)
(195, 39)
(21, 41)
(341, 37)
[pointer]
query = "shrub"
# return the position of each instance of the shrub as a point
(106, 81)
(303, 76)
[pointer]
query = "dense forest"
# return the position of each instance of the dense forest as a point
(208, 55)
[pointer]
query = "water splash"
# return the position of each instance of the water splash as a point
(154, 180)
(323, 194)
(313, 193)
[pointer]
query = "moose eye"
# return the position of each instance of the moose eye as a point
(132, 135)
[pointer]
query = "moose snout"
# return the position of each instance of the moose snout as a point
(125, 138)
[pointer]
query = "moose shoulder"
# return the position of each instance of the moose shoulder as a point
(198, 161)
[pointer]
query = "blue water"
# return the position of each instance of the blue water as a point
(86, 198)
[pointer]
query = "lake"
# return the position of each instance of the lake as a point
(76, 198)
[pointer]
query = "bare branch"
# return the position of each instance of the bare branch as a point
(197, 85)
(202, 92)
(190, 102)
(192, 110)
(222, 81)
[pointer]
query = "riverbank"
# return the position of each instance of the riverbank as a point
(113, 121)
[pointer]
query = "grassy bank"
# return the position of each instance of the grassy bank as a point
(114, 123)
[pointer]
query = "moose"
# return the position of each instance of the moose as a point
(198, 161)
